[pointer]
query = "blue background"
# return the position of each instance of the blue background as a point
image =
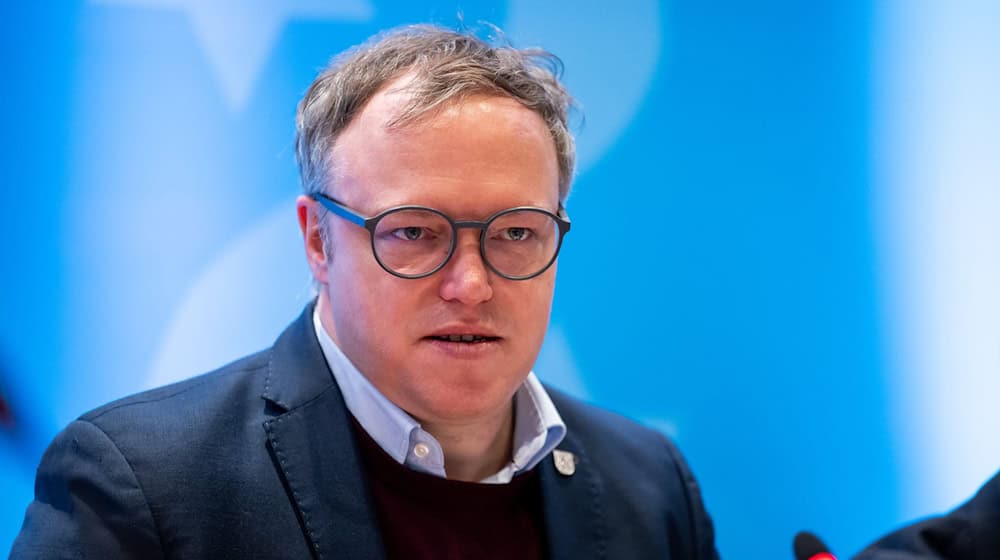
(725, 280)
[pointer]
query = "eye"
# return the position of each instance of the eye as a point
(410, 233)
(515, 234)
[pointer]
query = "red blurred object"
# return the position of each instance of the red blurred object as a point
(6, 417)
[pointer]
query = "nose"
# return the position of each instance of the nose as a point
(465, 278)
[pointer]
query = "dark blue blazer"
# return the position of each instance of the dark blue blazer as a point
(970, 532)
(258, 460)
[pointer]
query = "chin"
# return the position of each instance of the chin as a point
(468, 401)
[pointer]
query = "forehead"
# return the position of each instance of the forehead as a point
(469, 155)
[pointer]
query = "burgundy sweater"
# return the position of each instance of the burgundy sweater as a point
(425, 516)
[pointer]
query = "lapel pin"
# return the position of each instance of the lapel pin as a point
(565, 462)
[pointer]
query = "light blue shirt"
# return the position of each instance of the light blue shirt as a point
(538, 428)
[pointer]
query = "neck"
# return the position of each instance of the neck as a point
(477, 450)
(473, 449)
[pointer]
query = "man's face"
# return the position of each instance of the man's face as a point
(470, 160)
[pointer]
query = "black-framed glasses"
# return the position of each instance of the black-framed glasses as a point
(417, 241)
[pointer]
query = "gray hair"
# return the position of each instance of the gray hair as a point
(447, 66)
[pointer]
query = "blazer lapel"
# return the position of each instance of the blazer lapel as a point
(313, 447)
(316, 453)
(572, 501)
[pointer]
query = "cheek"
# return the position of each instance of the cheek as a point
(363, 331)
(351, 283)
(533, 305)
(370, 308)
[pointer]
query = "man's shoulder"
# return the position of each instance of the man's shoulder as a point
(178, 467)
(615, 440)
(225, 390)
(593, 422)
(647, 485)
(169, 437)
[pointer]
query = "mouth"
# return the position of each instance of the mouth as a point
(464, 338)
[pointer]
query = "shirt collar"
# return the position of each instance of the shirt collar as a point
(538, 428)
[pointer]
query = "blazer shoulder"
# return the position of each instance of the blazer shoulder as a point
(245, 374)
(629, 454)
(88, 503)
(599, 425)
(642, 471)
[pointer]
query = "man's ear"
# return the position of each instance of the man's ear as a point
(309, 223)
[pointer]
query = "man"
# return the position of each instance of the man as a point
(398, 416)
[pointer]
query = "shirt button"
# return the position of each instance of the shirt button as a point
(421, 450)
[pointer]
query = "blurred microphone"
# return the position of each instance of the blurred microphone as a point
(807, 546)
